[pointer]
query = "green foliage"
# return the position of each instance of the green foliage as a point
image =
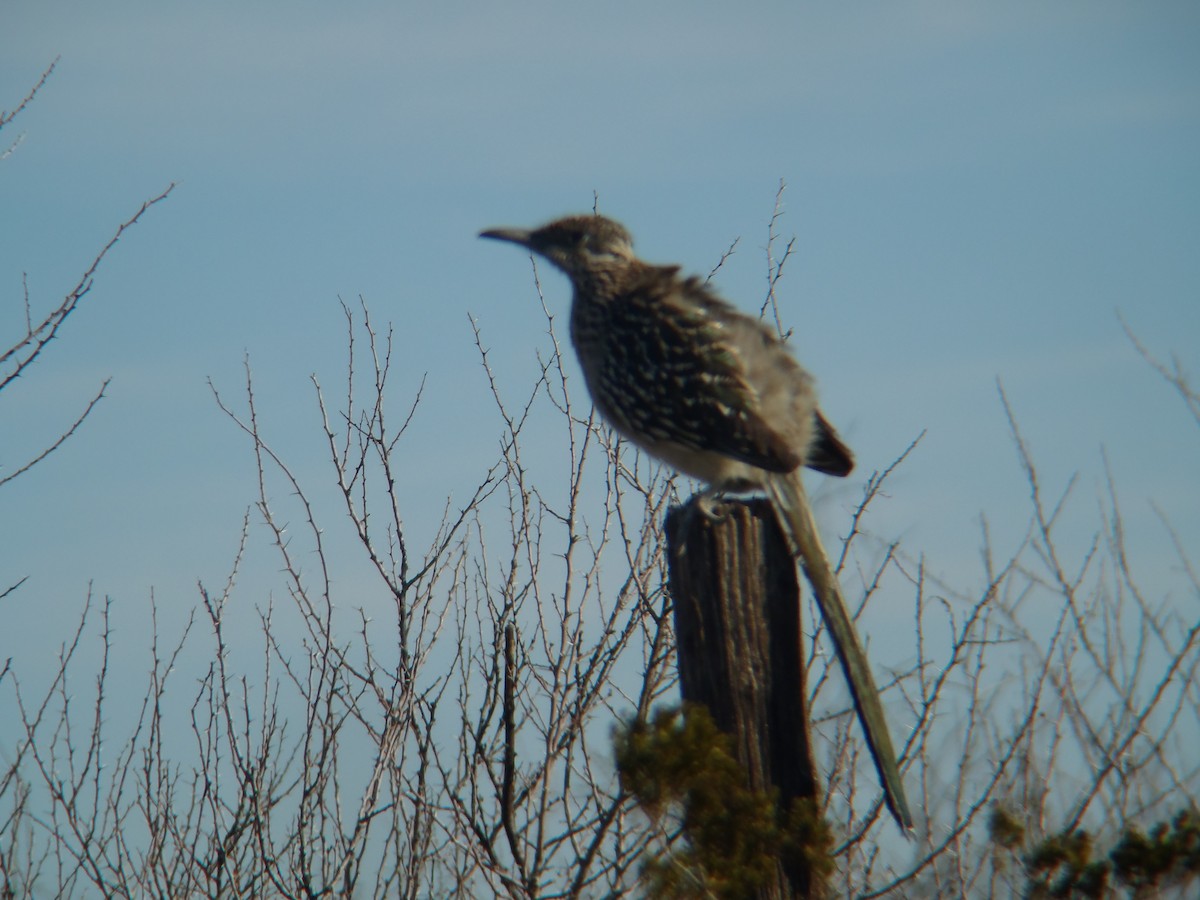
(1064, 865)
(1006, 829)
(680, 763)
(1169, 854)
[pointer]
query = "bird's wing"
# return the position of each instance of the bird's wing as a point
(826, 452)
(689, 344)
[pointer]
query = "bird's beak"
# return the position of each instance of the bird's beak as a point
(521, 236)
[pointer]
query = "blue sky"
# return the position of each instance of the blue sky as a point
(975, 190)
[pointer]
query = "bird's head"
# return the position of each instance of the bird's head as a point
(577, 244)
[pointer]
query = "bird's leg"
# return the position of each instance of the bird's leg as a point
(707, 500)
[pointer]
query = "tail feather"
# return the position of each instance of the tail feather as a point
(826, 452)
(796, 517)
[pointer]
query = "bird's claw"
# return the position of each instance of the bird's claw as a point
(706, 504)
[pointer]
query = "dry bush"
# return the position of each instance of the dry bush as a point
(440, 723)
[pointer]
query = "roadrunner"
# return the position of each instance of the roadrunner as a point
(716, 395)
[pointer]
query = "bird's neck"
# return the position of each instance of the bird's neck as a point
(597, 284)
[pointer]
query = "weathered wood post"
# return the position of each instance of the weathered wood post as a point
(736, 594)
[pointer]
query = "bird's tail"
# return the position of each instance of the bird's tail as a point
(796, 517)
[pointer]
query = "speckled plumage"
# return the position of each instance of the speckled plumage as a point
(716, 395)
(679, 371)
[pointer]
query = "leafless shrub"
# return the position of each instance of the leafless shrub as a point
(441, 725)
(18, 358)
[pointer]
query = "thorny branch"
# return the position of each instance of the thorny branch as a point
(426, 708)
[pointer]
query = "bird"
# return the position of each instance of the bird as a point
(717, 395)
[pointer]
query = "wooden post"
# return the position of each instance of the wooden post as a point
(736, 597)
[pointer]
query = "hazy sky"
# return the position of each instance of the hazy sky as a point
(975, 189)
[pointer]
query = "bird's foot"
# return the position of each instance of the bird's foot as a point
(706, 504)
